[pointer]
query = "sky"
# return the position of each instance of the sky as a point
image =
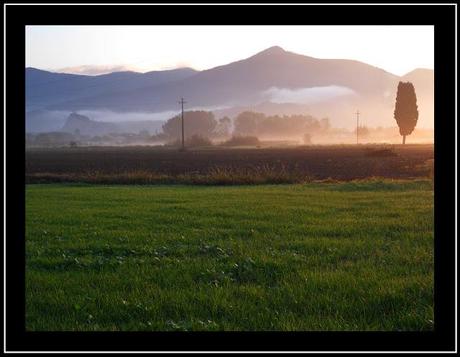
(101, 49)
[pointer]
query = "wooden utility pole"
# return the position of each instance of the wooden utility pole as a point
(181, 102)
(357, 125)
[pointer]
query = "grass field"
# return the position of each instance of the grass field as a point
(348, 256)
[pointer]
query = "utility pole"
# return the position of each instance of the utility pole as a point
(181, 102)
(357, 125)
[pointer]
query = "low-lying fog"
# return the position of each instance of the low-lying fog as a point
(91, 127)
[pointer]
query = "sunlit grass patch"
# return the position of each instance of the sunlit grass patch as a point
(315, 256)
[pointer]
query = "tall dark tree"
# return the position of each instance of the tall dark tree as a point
(406, 113)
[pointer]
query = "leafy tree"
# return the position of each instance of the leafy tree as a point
(251, 123)
(224, 127)
(406, 113)
(198, 122)
(248, 123)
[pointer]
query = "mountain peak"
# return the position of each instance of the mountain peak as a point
(77, 117)
(272, 51)
(275, 49)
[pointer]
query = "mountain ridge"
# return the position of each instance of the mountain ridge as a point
(271, 75)
(219, 84)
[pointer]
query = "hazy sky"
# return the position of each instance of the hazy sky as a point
(102, 49)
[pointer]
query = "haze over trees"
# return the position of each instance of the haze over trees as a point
(258, 124)
(206, 129)
(406, 112)
(363, 131)
(204, 124)
(198, 122)
(224, 127)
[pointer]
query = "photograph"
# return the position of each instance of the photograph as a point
(188, 178)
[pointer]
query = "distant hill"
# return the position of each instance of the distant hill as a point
(420, 74)
(83, 125)
(273, 81)
(422, 79)
(47, 88)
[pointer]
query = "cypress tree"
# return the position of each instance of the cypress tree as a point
(406, 113)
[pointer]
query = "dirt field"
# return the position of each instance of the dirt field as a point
(345, 162)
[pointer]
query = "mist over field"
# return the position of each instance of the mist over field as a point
(273, 82)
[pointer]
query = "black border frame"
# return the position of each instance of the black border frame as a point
(443, 17)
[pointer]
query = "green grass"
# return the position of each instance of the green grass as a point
(339, 256)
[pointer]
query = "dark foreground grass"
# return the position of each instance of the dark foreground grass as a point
(351, 256)
(258, 175)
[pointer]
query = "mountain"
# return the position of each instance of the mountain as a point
(47, 88)
(272, 80)
(422, 79)
(244, 82)
(420, 74)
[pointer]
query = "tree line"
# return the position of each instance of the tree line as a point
(248, 123)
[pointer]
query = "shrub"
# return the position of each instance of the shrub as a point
(197, 141)
(242, 141)
(380, 152)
